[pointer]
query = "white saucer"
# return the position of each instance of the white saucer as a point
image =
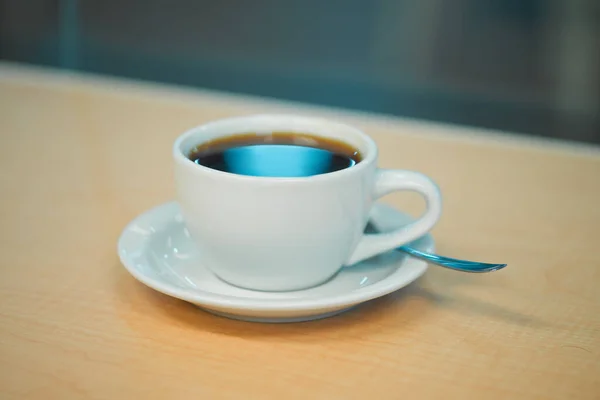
(157, 250)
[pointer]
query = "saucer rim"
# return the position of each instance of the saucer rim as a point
(212, 299)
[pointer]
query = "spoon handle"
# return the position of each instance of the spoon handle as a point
(452, 263)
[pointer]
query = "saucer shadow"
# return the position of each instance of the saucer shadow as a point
(137, 300)
(452, 298)
(142, 308)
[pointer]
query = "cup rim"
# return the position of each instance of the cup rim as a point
(369, 157)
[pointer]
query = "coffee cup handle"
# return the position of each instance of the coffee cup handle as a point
(386, 182)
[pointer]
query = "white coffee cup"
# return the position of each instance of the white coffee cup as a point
(281, 234)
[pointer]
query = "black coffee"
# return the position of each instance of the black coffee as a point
(276, 155)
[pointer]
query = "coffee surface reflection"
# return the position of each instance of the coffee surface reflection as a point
(276, 155)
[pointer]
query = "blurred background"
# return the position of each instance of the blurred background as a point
(526, 66)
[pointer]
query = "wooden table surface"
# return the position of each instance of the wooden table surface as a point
(81, 156)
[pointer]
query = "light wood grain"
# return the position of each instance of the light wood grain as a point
(80, 157)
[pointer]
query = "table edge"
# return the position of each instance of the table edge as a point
(54, 77)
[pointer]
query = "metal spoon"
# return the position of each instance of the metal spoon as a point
(452, 263)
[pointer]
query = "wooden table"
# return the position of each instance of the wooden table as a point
(81, 156)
